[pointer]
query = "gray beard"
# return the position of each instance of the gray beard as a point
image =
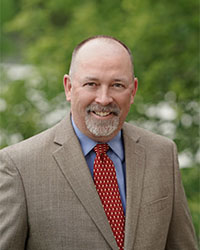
(101, 128)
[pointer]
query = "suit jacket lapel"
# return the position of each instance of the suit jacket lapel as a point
(135, 166)
(72, 163)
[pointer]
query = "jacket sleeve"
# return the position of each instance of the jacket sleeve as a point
(181, 234)
(13, 214)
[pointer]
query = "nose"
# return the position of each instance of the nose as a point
(103, 96)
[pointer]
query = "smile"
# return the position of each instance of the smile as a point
(101, 114)
(105, 112)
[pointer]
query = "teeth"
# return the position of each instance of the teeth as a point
(102, 113)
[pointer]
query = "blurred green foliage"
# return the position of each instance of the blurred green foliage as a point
(37, 39)
(190, 179)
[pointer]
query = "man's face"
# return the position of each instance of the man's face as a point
(101, 89)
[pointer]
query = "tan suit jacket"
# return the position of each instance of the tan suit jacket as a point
(48, 200)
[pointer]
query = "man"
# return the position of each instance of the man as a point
(56, 189)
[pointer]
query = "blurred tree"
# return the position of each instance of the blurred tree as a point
(164, 39)
(8, 10)
(162, 35)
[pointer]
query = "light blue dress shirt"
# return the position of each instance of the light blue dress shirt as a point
(115, 152)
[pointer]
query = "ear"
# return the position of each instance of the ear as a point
(67, 87)
(135, 87)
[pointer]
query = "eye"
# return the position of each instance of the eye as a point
(90, 84)
(118, 85)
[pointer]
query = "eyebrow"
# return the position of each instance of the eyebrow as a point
(90, 79)
(120, 79)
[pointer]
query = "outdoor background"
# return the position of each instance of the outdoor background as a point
(38, 36)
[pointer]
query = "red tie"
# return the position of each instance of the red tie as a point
(107, 187)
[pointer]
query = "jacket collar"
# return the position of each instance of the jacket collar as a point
(72, 164)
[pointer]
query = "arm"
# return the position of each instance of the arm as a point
(181, 234)
(13, 215)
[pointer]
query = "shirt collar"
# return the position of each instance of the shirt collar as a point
(88, 144)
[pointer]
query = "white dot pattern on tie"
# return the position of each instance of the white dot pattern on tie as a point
(107, 187)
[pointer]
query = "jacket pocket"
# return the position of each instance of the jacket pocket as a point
(157, 205)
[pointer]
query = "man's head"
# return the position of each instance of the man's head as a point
(100, 86)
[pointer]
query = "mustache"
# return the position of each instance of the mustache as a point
(112, 108)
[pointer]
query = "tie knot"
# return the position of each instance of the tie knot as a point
(101, 148)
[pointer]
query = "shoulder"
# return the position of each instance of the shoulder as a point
(34, 141)
(38, 145)
(157, 149)
(145, 137)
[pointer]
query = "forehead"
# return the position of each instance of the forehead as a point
(101, 47)
(102, 55)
